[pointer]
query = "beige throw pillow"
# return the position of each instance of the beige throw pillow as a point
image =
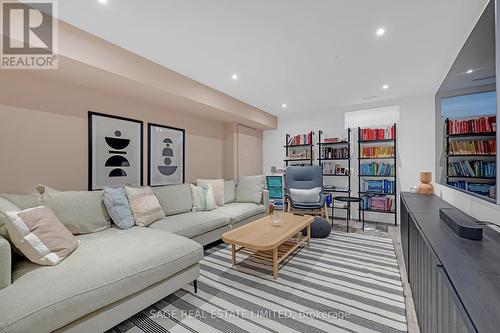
(202, 197)
(217, 187)
(144, 205)
(40, 236)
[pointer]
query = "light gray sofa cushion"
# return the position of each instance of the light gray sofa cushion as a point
(250, 188)
(5, 206)
(229, 191)
(239, 211)
(192, 224)
(23, 201)
(82, 212)
(174, 199)
(5, 263)
(107, 267)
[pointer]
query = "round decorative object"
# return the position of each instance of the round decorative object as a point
(320, 228)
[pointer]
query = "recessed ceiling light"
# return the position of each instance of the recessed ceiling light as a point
(103, 1)
(385, 86)
(380, 31)
(470, 71)
(234, 76)
(283, 106)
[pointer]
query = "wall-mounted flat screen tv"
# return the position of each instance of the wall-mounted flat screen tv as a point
(466, 115)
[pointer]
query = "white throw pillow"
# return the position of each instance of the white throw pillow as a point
(229, 191)
(217, 187)
(250, 188)
(144, 205)
(305, 196)
(203, 197)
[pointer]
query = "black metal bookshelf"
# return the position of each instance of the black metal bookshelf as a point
(347, 176)
(393, 158)
(450, 158)
(308, 146)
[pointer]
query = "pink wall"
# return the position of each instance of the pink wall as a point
(43, 132)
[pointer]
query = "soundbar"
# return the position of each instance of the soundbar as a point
(462, 224)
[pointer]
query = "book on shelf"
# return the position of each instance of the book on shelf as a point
(476, 168)
(382, 186)
(472, 147)
(332, 152)
(380, 203)
(376, 169)
(377, 151)
(367, 134)
(477, 125)
(300, 139)
(484, 189)
(332, 168)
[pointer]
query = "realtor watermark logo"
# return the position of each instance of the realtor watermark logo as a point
(29, 34)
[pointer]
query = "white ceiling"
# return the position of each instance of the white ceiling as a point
(311, 55)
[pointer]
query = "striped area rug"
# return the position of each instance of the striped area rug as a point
(344, 283)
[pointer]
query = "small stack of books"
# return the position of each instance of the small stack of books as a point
(379, 151)
(379, 202)
(472, 169)
(471, 126)
(384, 186)
(333, 140)
(470, 147)
(300, 139)
(376, 169)
(367, 134)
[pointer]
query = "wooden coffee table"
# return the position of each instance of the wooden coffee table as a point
(271, 243)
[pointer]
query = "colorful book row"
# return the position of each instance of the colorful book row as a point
(471, 147)
(367, 134)
(329, 152)
(378, 151)
(472, 169)
(379, 202)
(376, 169)
(383, 186)
(300, 139)
(485, 189)
(471, 126)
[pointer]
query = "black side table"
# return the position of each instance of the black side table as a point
(350, 200)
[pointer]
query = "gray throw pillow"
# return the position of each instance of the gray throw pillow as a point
(118, 207)
(250, 188)
(305, 196)
(82, 212)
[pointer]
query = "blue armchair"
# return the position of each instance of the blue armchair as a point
(305, 178)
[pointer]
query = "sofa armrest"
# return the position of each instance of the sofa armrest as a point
(5, 263)
(265, 200)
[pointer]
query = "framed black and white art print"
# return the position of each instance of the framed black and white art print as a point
(115, 151)
(166, 150)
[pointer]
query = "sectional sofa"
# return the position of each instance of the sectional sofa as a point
(114, 273)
